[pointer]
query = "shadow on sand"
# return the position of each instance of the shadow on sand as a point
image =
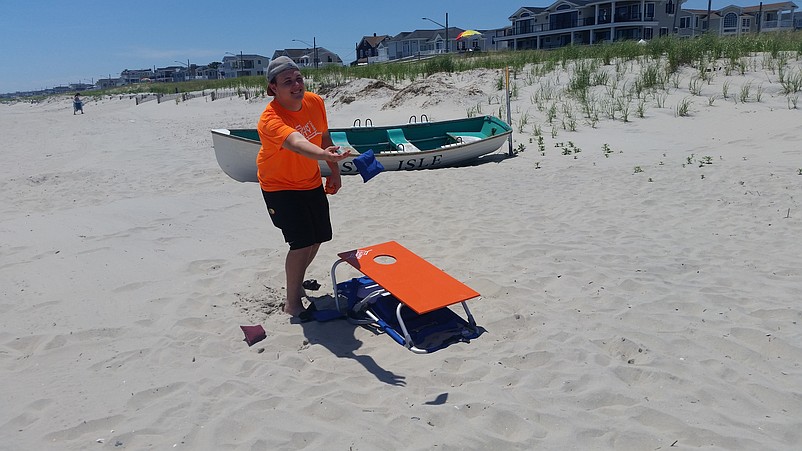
(338, 336)
(485, 159)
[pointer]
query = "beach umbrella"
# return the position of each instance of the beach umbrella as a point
(468, 34)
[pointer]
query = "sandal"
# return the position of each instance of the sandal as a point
(308, 314)
(311, 285)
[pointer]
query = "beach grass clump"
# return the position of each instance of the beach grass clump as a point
(695, 86)
(641, 108)
(623, 105)
(653, 75)
(580, 80)
(791, 82)
(745, 90)
(684, 108)
(438, 65)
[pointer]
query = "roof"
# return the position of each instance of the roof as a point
(702, 12)
(374, 40)
(295, 53)
(426, 34)
(770, 7)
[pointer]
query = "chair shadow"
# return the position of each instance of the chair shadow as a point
(339, 337)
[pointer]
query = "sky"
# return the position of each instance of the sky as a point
(47, 43)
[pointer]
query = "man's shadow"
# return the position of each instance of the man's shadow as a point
(339, 337)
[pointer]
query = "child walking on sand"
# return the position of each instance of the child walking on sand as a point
(77, 104)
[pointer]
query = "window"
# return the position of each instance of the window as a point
(669, 7)
(730, 20)
(650, 11)
(746, 22)
(524, 26)
(685, 22)
(648, 33)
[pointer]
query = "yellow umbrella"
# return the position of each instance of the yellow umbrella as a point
(467, 34)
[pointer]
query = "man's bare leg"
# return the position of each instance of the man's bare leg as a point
(298, 260)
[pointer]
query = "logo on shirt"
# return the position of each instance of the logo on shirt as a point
(309, 130)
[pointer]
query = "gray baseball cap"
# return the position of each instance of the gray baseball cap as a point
(277, 66)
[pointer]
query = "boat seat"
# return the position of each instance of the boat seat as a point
(340, 139)
(399, 142)
(466, 137)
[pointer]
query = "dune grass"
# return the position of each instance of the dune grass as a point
(674, 51)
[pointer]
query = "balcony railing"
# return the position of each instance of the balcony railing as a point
(574, 23)
(778, 24)
(628, 18)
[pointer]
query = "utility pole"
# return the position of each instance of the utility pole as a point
(314, 50)
(447, 43)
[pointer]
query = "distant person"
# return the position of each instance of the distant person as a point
(294, 132)
(77, 104)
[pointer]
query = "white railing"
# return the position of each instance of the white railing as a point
(778, 24)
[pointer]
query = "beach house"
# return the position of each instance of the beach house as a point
(736, 20)
(592, 21)
(242, 65)
(418, 43)
(306, 57)
(130, 76)
(588, 22)
(371, 49)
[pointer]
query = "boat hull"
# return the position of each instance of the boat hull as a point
(452, 143)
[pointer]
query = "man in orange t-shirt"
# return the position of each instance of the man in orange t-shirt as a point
(294, 134)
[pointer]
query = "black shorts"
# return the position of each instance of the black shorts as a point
(302, 216)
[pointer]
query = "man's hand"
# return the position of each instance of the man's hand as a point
(333, 184)
(336, 154)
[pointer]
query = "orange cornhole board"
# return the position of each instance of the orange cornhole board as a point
(417, 283)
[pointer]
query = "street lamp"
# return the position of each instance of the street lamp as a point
(444, 26)
(314, 50)
(241, 64)
(187, 64)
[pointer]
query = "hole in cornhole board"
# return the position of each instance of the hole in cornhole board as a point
(384, 259)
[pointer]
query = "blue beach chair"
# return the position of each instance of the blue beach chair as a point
(405, 297)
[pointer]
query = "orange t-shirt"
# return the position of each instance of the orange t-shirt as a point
(281, 169)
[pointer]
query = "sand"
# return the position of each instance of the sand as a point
(637, 295)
